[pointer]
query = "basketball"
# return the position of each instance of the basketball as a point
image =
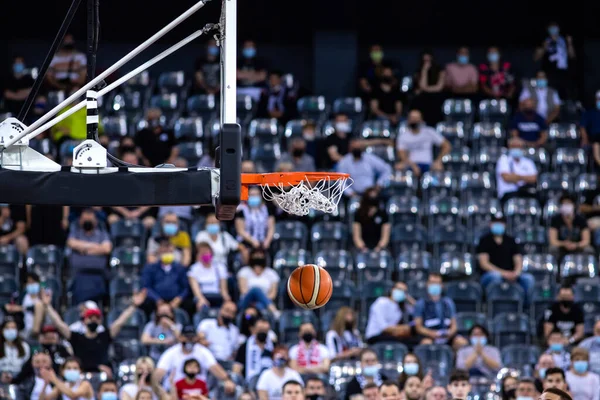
(310, 286)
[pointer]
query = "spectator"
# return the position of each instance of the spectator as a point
(315, 388)
(556, 348)
(569, 232)
(271, 381)
(161, 332)
(545, 98)
(371, 391)
(555, 394)
(157, 144)
(428, 82)
(144, 367)
(14, 351)
(592, 344)
(220, 335)
(91, 347)
(173, 360)
(220, 241)
(496, 79)
(47, 224)
(309, 134)
(415, 146)
(309, 356)
(297, 156)
(343, 338)
(584, 385)
(386, 101)
(254, 222)
(179, 238)
(207, 75)
(107, 390)
(411, 366)
(274, 100)
(256, 354)
(208, 279)
(73, 386)
(79, 326)
(389, 390)
(529, 126)
(248, 167)
(387, 316)
(293, 390)
(413, 388)
(480, 358)
(459, 386)
(32, 307)
(555, 53)
(90, 247)
(516, 174)
(247, 321)
(462, 78)
(13, 227)
(366, 169)
(247, 395)
(370, 373)
(436, 393)
(258, 284)
(166, 280)
(372, 71)
(555, 378)
(589, 127)
(545, 362)
(435, 316)
(17, 87)
(191, 383)
(68, 67)
(143, 214)
(338, 142)
(508, 387)
(566, 316)
(38, 387)
(501, 260)
(371, 228)
(252, 71)
(526, 389)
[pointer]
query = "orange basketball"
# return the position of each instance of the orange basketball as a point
(310, 286)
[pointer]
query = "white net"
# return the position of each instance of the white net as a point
(299, 199)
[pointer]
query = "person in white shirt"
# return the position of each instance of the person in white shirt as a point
(387, 316)
(144, 367)
(583, 384)
(14, 351)
(40, 361)
(255, 354)
(309, 356)
(343, 339)
(220, 334)
(73, 387)
(208, 278)
(221, 242)
(258, 284)
(162, 332)
(271, 381)
(515, 172)
(547, 102)
(32, 307)
(415, 146)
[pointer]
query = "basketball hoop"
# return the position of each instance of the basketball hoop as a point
(299, 192)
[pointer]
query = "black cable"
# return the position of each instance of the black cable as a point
(93, 22)
(46, 64)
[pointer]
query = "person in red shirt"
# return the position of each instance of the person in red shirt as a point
(190, 385)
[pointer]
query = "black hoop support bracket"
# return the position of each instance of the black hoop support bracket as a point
(229, 161)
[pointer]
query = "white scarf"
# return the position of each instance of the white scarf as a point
(255, 362)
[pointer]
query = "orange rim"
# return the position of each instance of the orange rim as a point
(285, 178)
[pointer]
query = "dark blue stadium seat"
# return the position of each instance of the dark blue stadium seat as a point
(456, 110)
(542, 297)
(121, 289)
(337, 262)
(264, 131)
(403, 183)
(115, 126)
(330, 235)
(203, 106)
(504, 297)
(571, 161)
(517, 355)
(127, 261)
(171, 81)
(448, 238)
(313, 108)
(564, 136)
(478, 212)
(437, 184)
(125, 349)
(404, 210)
(386, 152)
(9, 261)
(417, 289)
(9, 289)
(487, 135)
(413, 265)
(456, 265)
(294, 128)
(522, 213)
(584, 184)
(458, 161)
(586, 292)
(192, 152)
(169, 105)
(290, 235)
(286, 260)
(466, 320)
(453, 132)
(290, 321)
(553, 184)
(265, 155)
(373, 266)
(133, 328)
(532, 239)
(540, 157)
(344, 294)
(408, 238)
(351, 106)
(486, 158)
(376, 129)
(589, 322)
(54, 285)
(475, 185)
(439, 359)
(189, 129)
(494, 110)
(443, 211)
(370, 291)
(511, 328)
(467, 295)
(127, 232)
(579, 266)
(72, 315)
(205, 313)
(390, 352)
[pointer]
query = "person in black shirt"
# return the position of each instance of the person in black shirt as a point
(338, 142)
(92, 346)
(500, 258)
(207, 77)
(565, 316)
(274, 101)
(17, 87)
(370, 373)
(569, 232)
(386, 102)
(12, 227)
(590, 208)
(371, 71)
(371, 228)
(155, 142)
(252, 71)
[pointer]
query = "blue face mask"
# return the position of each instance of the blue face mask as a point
(542, 373)
(411, 368)
(497, 229)
(10, 334)
(580, 367)
(71, 375)
(542, 83)
(398, 295)
(553, 30)
(515, 153)
(556, 347)
(597, 339)
(478, 340)
(213, 229)
(170, 229)
(493, 57)
(33, 288)
(18, 68)
(254, 201)
(213, 51)
(524, 398)
(370, 370)
(280, 362)
(108, 396)
(462, 59)
(249, 52)
(434, 289)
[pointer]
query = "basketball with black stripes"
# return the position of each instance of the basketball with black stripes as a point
(310, 287)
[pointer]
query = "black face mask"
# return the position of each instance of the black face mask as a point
(357, 153)
(226, 320)
(261, 337)
(145, 380)
(190, 375)
(413, 125)
(92, 326)
(528, 111)
(259, 262)
(510, 394)
(88, 226)
(127, 149)
(308, 337)
(349, 325)
(298, 152)
(188, 346)
(387, 80)
(566, 303)
(251, 319)
(68, 46)
(315, 397)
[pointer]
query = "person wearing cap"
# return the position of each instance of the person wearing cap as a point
(92, 346)
(173, 360)
(590, 127)
(79, 326)
(13, 227)
(500, 258)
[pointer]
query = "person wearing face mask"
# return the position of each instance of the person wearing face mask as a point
(480, 358)
(256, 353)
(107, 390)
(170, 227)
(144, 366)
(35, 385)
(415, 145)
(386, 100)
(566, 316)
(18, 86)
(251, 70)
(569, 232)
(583, 384)
(309, 356)
(275, 101)
(496, 79)
(161, 332)
(371, 71)
(546, 99)
(271, 381)
(545, 362)
(389, 316)
(32, 307)
(516, 174)
(337, 144)
(222, 243)
(254, 221)
(366, 169)
(557, 343)
(411, 366)
(371, 228)
(526, 390)
(297, 156)
(14, 351)
(156, 144)
(207, 78)
(370, 373)
(343, 338)
(207, 278)
(221, 334)
(529, 126)
(68, 67)
(462, 78)
(435, 316)
(72, 387)
(258, 284)
(315, 388)
(190, 384)
(556, 53)
(592, 344)
(500, 258)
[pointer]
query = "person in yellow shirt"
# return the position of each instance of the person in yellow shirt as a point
(180, 239)
(73, 127)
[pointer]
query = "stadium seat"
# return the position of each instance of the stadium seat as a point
(121, 290)
(376, 129)
(571, 161)
(437, 184)
(351, 106)
(54, 98)
(541, 266)
(408, 238)
(586, 292)
(264, 130)
(467, 295)
(474, 185)
(290, 235)
(203, 106)
(584, 184)
(485, 159)
(290, 322)
(171, 81)
(417, 289)
(551, 208)
(352, 205)
(313, 108)
(551, 185)
(197, 226)
(458, 161)
(44, 146)
(265, 155)
(456, 265)
(127, 232)
(189, 129)
(205, 313)
(521, 213)
(9, 261)
(453, 132)
(386, 152)
(286, 260)
(132, 329)
(54, 285)
(169, 105)
(511, 328)
(329, 236)
(406, 84)
(564, 135)
(344, 294)
(337, 262)
(494, 110)
(390, 352)
(128, 349)
(66, 148)
(370, 291)
(504, 297)
(517, 355)
(246, 108)
(373, 266)
(487, 134)
(437, 358)
(72, 315)
(115, 126)
(540, 157)
(9, 290)
(294, 128)
(542, 297)
(448, 238)
(192, 152)
(442, 211)
(403, 183)
(589, 322)
(579, 266)
(533, 239)
(458, 110)
(466, 320)
(478, 212)
(404, 210)
(139, 82)
(413, 265)
(127, 261)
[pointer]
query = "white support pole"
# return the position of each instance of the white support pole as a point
(109, 70)
(119, 82)
(229, 63)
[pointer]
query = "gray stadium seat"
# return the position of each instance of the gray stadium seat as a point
(189, 129)
(439, 359)
(466, 320)
(511, 328)
(458, 161)
(475, 185)
(437, 184)
(494, 110)
(572, 161)
(540, 157)
(376, 129)
(522, 212)
(373, 266)
(453, 132)
(413, 265)
(9, 261)
(541, 266)
(564, 135)
(579, 266)
(330, 235)
(127, 232)
(285, 260)
(290, 235)
(478, 211)
(351, 106)
(127, 261)
(390, 352)
(517, 355)
(456, 110)
(264, 130)
(403, 183)
(467, 295)
(532, 239)
(487, 134)
(443, 211)
(205, 313)
(337, 262)
(553, 184)
(115, 126)
(290, 321)
(313, 108)
(386, 152)
(504, 297)
(586, 292)
(203, 106)
(486, 158)
(456, 265)
(408, 238)
(448, 238)
(404, 210)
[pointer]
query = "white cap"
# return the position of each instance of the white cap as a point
(91, 305)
